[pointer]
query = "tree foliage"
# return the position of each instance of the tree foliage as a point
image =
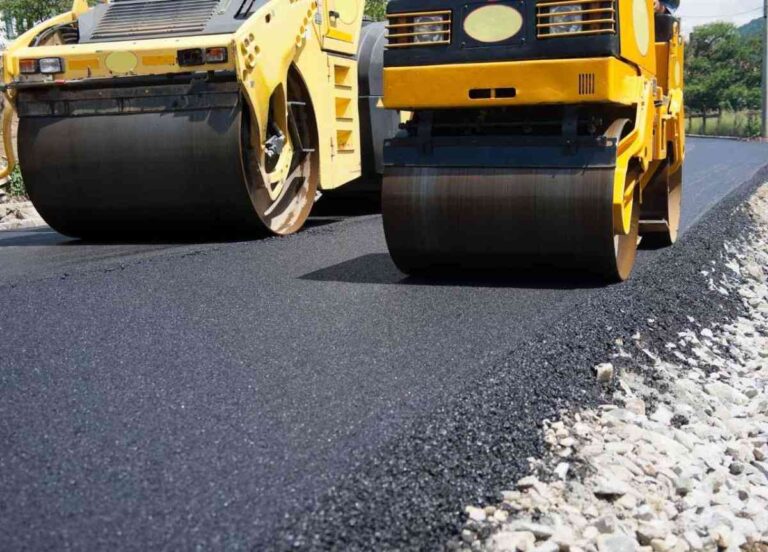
(723, 69)
(27, 13)
(376, 9)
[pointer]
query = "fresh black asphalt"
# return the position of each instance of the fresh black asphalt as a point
(300, 391)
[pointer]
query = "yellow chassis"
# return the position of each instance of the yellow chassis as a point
(657, 99)
(278, 36)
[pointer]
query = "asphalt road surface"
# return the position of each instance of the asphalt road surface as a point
(183, 395)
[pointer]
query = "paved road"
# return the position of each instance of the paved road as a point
(180, 395)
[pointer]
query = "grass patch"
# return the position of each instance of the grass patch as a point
(741, 124)
(15, 185)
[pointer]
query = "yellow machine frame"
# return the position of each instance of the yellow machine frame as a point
(647, 76)
(278, 36)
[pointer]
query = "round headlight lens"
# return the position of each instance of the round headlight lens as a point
(566, 23)
(430, 28)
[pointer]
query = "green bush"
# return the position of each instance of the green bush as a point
(16, 187)
(754, 127)
(376, 9)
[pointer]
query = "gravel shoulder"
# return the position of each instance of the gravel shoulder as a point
(413, 491)
(679, 462)
(17, 214)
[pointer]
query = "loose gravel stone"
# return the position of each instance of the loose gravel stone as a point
(18, 214)
(547, 546)
(616, 542)
(539, 530)
(561, 471)
(527, 482)
(604, 372)
(476, 514)
(512, 541)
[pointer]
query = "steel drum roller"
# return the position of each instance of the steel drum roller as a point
(502, 218)
(96, 167)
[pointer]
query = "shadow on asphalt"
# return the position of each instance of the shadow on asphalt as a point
(32, 236)
(651, 244)
(378, 268)
(347, 207)
(47, 236)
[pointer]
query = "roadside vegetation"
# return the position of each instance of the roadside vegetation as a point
(376, 9)
(24, 14)
(27, 13)
(741, 124)
(15, 185)
(723, 65)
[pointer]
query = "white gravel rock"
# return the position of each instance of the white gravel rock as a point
(547, 546)
(650, 530)
(476, 514)
(561, 471)
(539, 530)
(527, 482)
(726, 393)
(512, 541)
(616, 542)
(604, 372)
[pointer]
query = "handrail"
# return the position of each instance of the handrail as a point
(10, 155)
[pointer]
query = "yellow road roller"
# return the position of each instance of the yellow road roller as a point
(545, 133)
(140, 116)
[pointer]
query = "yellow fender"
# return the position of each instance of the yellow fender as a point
(8, 112)
(281, 35)
(635, 146)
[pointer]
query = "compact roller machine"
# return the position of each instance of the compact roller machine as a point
(140, 116)
(544, 133)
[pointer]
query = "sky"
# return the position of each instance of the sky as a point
(698, 12)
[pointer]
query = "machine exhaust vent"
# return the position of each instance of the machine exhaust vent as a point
(586, 84)
(559, 18)
(137, 19)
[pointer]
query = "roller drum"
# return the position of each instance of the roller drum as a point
(135, 165)
(499, 218)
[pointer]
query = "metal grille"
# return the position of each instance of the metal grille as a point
(142, 19)
(586, 84)
(419, 29)
(560, 18)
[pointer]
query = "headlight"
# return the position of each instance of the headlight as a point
(405, 30)
(558, 18)
(49, 66)
(430, 28)
(568, 22)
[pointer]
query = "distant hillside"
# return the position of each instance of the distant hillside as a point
(753, 28)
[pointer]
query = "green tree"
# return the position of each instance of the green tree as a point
(27, 13)
(722, 69)
(376, 9)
